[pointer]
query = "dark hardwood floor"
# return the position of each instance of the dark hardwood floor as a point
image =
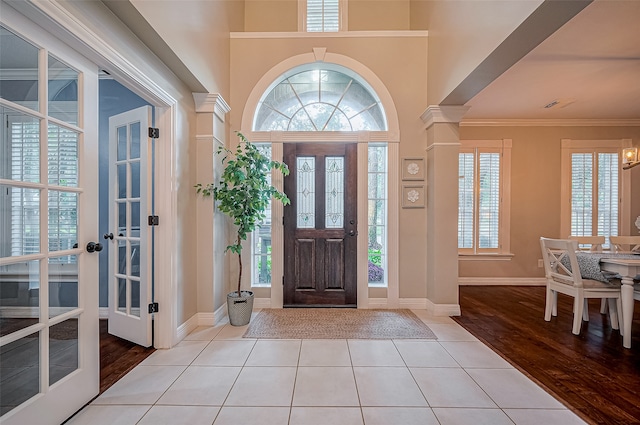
(117, 357)
(591, 373)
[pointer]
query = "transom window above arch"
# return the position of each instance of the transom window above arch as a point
(320, 100)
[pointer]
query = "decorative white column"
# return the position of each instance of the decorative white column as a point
(211, 235)
(443, 147)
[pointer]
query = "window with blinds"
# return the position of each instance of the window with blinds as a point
(23, 205)
(323, 15)
(483, 202)
(24, 146)
(594, 193)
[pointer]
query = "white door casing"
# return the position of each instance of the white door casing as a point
(129, 238)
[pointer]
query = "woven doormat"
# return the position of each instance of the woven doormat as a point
(337, 323)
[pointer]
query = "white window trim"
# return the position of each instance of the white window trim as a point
(569, 146)
(504, 250)
(342, 11)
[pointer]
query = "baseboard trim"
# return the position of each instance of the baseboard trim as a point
(103, 312)
(187, 327)
(443, 309)
(413, 303)
(261, 303)
(502, 281)
(220, 314)
(377, 303)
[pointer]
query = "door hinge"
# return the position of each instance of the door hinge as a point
(154, 133)
(282, 280)
(154, 220)
(153, 308)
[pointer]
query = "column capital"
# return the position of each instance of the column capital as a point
(212, 103)
(443, 114)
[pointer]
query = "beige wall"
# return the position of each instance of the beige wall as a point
(271, 15)
(362, 15)
(535, 191)
(368, 15)
(198, 34)
(252, 58)
(462, 34)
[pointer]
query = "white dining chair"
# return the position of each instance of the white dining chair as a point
(589, 243)
(568, 281)
(625, 243)
(592, 244)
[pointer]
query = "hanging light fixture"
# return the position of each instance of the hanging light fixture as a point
(630, 158)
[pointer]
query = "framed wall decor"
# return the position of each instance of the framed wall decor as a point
(413, 196)
(413, 169)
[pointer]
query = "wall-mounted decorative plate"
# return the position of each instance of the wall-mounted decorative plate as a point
(413, 169)
(413, 196)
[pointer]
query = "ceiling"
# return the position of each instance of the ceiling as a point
(590, 67)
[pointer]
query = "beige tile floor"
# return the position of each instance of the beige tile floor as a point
(217, 377)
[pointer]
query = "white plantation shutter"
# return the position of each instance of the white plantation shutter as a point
(594, 193)
(25, 203)
(466, 201)
(323, 15)
(581, 194)
(608, 194)
(482, 209)
(489, 200)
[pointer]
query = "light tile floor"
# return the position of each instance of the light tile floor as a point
(217, 377)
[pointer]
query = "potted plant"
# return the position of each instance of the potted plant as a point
(243, 193)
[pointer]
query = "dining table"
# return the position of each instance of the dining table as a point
(628, 268)
(604, 266)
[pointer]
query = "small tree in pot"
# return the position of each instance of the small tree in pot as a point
(243, 193)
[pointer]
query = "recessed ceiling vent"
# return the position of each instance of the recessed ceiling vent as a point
(559, 103)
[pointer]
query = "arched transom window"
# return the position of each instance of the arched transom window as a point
(320, 100)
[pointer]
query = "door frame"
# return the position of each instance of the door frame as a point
(53, 18)
(366, 297)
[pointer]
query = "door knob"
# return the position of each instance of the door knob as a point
(94, 247)
(352, 233)
(108, 236)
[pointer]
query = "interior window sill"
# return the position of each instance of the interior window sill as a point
(486, 257)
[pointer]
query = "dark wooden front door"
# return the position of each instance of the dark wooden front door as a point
(320, 225)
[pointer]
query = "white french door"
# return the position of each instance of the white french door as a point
(49, 342)
(129, 238)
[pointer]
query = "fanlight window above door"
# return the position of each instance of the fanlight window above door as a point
(320, 100)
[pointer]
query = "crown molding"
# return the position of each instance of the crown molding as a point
(339, 34)
(212, 103)
(550, 123)
(443, 114)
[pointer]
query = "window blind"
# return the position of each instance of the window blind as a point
(25, 203)
(479, 201)
(581, 194)
(608, 194)
(323, 15)
(488, 200)
(595, 193)
(466, 200)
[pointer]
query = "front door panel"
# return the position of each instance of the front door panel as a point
(320, 225)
